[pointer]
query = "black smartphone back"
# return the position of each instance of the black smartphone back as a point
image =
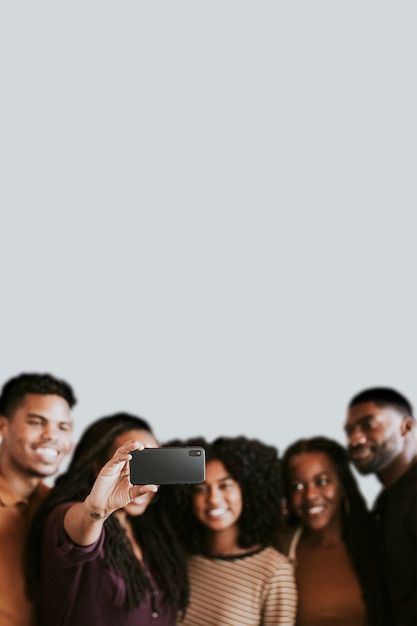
(180, 465)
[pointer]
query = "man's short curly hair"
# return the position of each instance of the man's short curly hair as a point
(256, 467)
(384, 396)
(15, 390)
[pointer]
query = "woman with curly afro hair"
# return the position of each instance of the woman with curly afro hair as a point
(228, 525)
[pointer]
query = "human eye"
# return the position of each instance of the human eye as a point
(322, 481)
(35, 421)
(296, 486)
(227, 484)
(198, 489)
(66, 427)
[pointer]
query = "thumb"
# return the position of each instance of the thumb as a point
(139, 490)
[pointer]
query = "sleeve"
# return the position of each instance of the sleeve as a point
(58, 547)
(280, 607)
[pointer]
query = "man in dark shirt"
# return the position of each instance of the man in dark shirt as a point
(382, 439)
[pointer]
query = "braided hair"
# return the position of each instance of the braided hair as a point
(356, 520)
(153, 530)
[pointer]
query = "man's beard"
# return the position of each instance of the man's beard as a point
(383, 455)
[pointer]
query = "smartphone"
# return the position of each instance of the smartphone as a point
(180, 465)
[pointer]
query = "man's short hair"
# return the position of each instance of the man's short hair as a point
(14, 391)
(384, 396)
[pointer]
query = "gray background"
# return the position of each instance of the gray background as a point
(208, 209)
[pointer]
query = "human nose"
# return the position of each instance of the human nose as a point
(310, 491)
(213, 494)
(356, 437)
(50, 432)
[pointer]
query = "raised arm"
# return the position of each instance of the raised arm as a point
(112, 490)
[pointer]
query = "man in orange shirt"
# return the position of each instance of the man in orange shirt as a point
(36, 435)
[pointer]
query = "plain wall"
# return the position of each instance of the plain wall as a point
(208, 209)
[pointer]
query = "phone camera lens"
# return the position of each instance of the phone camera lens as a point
(195, 453)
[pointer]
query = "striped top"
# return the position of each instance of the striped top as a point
(256, 589)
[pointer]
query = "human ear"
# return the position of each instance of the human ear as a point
(407, 426)
(3, 424)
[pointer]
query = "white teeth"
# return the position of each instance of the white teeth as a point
(216, 512)
(49, 452)
(315, 509)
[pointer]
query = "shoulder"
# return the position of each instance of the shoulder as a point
(399, 500)
(275, 565)
(405, 485)
(272, 557)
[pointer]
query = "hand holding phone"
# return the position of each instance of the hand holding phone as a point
(180, 465)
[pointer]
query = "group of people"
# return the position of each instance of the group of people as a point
(267, 539)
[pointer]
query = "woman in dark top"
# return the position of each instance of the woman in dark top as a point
(102, 552)
(332, 546)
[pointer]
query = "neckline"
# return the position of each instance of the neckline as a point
(232, 557)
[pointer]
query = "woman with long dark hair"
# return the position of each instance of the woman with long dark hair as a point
(102, 551)
(331, 548)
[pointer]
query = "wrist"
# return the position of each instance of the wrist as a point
(96, 515)
(95, 512)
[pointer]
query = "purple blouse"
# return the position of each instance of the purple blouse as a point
(79, 588)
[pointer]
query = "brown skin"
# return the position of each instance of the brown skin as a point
(112, 490)
(217, 504)
(381, 440)
(315, 496)
(35, 440)
(139, 506)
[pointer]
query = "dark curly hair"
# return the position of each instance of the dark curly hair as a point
(14, 391)
(153, 530)
(256, 467)
(357, 528)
